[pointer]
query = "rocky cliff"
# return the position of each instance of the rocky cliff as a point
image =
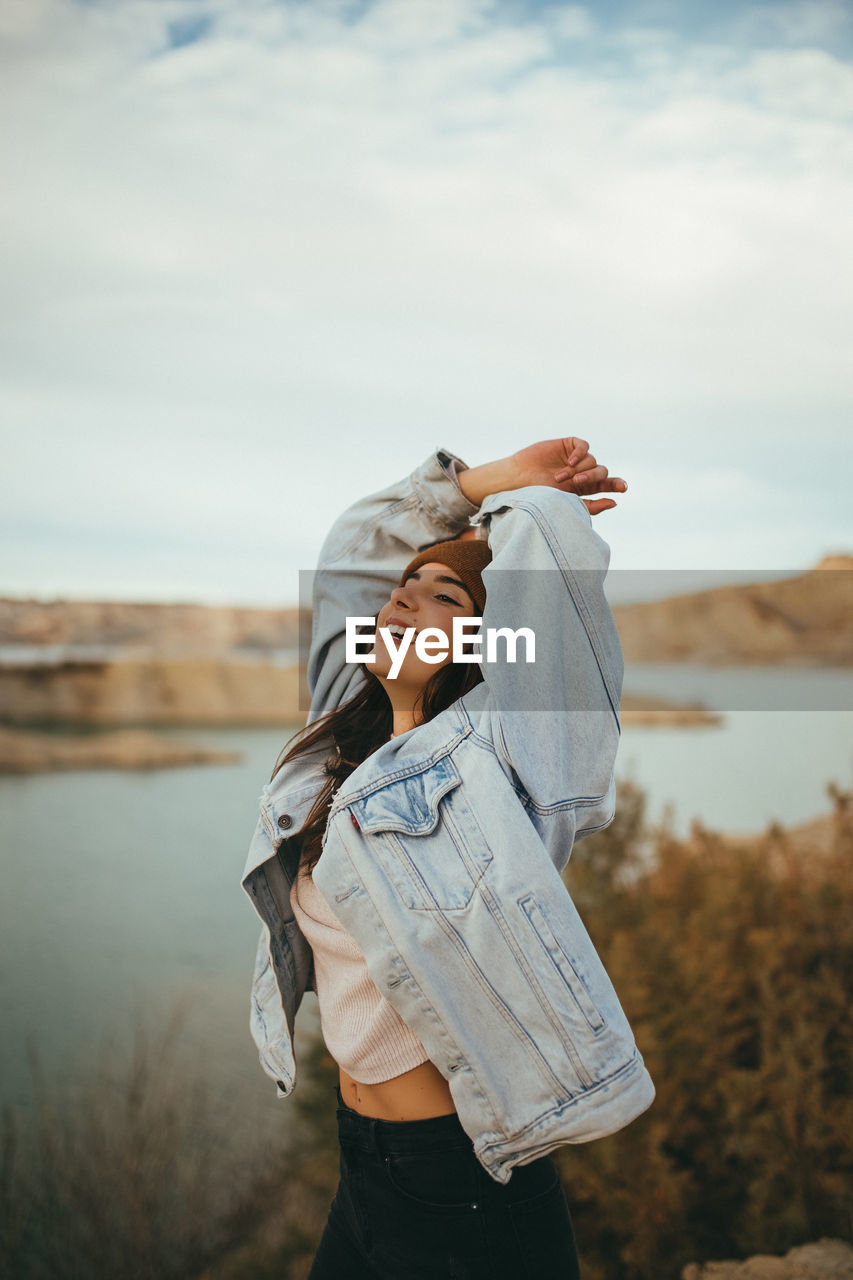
(155, 628)
(162, 664)
(806, 619)
(803, 619)
(157, 691)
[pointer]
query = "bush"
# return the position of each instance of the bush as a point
(137, 1173)
(734, 963)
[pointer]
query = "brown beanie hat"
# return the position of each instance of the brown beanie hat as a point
(467, 559)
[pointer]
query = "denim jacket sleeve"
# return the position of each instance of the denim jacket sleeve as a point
(361, 561)
(556, 720)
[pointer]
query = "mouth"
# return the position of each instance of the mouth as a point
(398, 629)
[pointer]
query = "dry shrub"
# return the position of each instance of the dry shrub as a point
(734, 962)
(137, 1173)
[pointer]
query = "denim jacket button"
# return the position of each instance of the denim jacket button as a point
(285, 821)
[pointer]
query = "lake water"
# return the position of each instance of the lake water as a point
(121, 890)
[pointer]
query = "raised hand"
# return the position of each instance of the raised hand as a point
(565, 464)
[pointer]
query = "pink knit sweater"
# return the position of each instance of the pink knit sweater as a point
(363, 1033)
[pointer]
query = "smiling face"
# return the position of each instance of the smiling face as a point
(432, 596)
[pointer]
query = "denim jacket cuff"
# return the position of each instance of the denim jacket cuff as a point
(540, 496)
(436, 484)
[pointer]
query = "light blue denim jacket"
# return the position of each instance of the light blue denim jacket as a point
(443, 850)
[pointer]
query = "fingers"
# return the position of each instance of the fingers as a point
(590, 483)
(613, 484)
(592, 477)
(583, 474)
(589, 474)
(596, 505)
(580, 459)
(578, 449)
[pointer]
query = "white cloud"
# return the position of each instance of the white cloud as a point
(569, 22)
(311, 234)
(800, 85)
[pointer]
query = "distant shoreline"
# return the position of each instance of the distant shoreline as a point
(25, 750)
(805, 619)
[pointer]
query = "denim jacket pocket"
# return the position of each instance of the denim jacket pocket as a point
(566, 967)
(425, 836)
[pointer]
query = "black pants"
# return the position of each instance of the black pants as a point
(414, 1203)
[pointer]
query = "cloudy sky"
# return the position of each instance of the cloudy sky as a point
(262, 256)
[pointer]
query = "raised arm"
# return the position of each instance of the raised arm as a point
(556, 720)
(362, 558)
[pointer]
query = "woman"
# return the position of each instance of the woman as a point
(407, 859)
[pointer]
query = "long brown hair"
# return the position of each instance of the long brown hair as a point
(356, 729)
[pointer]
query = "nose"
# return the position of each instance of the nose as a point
(401, 598)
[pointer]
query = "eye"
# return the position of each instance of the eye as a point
(449, 599)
